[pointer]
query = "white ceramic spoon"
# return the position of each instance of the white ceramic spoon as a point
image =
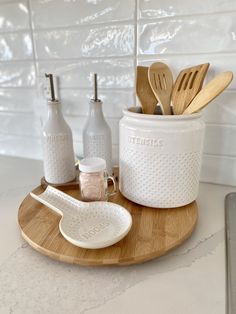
(90, 225)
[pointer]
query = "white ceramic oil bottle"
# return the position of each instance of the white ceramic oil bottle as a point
(58, 153)
(97, 133)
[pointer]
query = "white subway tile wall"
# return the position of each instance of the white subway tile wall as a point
(73, 39)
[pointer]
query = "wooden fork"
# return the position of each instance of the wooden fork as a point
(187, 85)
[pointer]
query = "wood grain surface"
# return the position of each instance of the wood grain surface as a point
(144, 92)
(209, 92)
(161, 82)
(187, 85)
(154, 232)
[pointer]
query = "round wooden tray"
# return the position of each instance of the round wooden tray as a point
(154, 232)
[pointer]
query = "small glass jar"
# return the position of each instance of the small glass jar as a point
(93, 180)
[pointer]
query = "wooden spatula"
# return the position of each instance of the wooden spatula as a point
(187, 85)
(144, 92)
(161, 82)
(210, 92)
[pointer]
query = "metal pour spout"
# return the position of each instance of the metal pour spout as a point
(50, 76)
(95, 86)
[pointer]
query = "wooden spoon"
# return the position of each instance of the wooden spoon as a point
(161, 82)
(210, 92)
(187, 85)
(144, 91)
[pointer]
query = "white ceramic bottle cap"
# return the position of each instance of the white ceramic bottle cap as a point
(92, 164)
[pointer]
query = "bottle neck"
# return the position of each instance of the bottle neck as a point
(54, 110)
(95, 109)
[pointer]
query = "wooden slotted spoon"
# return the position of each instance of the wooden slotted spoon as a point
(187, 85)
(210, 92)
(144, 92)
(161, 82)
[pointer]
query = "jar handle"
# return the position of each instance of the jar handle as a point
(113, 192)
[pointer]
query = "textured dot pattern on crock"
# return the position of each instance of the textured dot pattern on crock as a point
(159, 180)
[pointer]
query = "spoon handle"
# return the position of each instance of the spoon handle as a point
(42, 199)
(60, 202)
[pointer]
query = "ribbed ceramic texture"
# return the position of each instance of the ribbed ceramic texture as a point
(89, 225)
(57, 142)
(160, 160)
(97, 140)
(58, 158)
(98, 146)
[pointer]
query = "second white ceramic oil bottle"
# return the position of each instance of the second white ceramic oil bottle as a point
(97, 140)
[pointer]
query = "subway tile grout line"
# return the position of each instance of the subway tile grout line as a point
(13, 113)
(18, 136)
(4, 2)
(134, 21)
(62, 59)
(164, 55)
(104, 58)
(77, 88)
(17, 87)
(84, 116)
(75, 27)
(89, 88)
(14, 32)
(125, 89)
(220, 156)
(35, 137)
(3, 62)
(218, 124)
(78, 116)
(129, 22)
(32, 39)
(182, 16)
(129, 57)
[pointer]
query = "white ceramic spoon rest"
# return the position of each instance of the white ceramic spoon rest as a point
(91, 225)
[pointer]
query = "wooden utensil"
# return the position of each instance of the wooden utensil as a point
(161, 82)
(144, 92)
(210, 92)
(187, 85)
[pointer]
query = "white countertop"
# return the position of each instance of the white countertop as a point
(190, 279)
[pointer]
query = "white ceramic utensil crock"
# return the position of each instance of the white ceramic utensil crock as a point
(160, 158)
